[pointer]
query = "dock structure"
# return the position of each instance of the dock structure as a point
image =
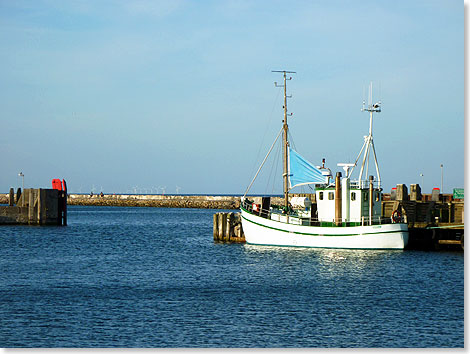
(435, 221)
(35, 207)
(228, 228)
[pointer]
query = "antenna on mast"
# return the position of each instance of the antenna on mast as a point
(376, 107)
(363, 98)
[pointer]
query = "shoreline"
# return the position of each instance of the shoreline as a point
(159, 201)
(152, 200)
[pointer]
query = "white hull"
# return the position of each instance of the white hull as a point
(261, 231)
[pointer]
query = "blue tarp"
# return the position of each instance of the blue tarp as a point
(303, 172)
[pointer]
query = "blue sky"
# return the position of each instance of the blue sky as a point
(124, 95)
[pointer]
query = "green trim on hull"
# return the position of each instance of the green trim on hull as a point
(310, 234)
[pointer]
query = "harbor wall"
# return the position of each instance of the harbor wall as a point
(415, 211)
(161, 201)
(431, 224)
(34, 207)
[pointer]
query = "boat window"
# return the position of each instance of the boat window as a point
(377, 197)
(320, 195)
(331, 195)
(366, 196)
(353, 195)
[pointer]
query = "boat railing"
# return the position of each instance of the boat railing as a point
(256, 209)
(362, 184)
(302, 217)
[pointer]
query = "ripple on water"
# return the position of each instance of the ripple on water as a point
(149, 277)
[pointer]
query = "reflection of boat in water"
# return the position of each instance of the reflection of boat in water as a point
(327, 261)
(347, 212)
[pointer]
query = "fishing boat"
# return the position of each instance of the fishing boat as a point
(346, 213)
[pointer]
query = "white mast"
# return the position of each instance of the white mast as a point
(369, 140)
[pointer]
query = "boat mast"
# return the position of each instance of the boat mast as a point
(285, 144)
(369, 140)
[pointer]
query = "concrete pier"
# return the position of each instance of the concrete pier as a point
(34, 207)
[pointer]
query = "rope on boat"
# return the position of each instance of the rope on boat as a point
(267, 128)
(259, 169)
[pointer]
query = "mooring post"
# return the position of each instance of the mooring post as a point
(216, 227)
(237, 230)
(40, 201)
(31, 206)
(230, 222)
(227, 227)
(222, 226)
(11, 198)
(18, 194)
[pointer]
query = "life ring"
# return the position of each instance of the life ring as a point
(396, 216)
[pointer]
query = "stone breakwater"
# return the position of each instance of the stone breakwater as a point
(160, 201)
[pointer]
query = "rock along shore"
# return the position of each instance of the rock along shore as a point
(160, 201)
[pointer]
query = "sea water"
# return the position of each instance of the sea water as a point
(151, 277)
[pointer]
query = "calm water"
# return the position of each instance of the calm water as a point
(149, 277)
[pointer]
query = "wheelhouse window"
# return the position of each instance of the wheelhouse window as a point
(320, 195)
(366, 196)
(353, 196)
(331, 195)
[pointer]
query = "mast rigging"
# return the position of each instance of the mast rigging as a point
(285, 127)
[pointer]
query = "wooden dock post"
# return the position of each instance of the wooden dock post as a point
(228, 228)
(222, 226)
(216, 226)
